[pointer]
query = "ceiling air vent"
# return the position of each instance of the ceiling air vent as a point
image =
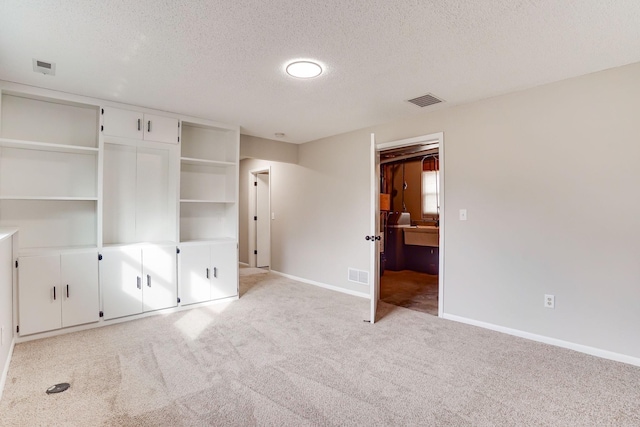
(425, 100)
(44, 67)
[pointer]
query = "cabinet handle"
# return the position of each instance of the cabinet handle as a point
(139, 282)
(139, 124)
(54, 293)
(215, 272)
(149, 126)
(207, 273)
(67, 291)
(148, 280)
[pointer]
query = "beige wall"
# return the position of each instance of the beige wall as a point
(253, 147)
(550, 180)
(413, 193)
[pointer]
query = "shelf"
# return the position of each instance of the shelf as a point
(45, 146)
(205, 201)
(202, 162)
(70, 199)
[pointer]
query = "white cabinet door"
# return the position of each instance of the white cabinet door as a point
(159, 277)
(119, 194)
(224, 263)
(123, 123)
(121, 282)
(195, 270)
(152, 195)
(160, 129)
(39, 294)
(79, 283)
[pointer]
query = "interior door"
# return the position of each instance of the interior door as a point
(375, 229)
(159, 285)
(263, 238)
(79, 286)
(195, 270)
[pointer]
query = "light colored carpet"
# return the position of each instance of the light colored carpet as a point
(249, 271)
(290, 354)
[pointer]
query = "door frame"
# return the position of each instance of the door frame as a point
(429, 138)
(252, 212)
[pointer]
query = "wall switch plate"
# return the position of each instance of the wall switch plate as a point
(463, 214)
(550, 301)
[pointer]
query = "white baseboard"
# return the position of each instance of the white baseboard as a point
(5, 371)
(605, 354)
(323, 285)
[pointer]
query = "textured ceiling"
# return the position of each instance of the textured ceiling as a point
(223, 60)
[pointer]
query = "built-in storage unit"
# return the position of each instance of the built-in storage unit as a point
(57, 291)
(208, 258)
(103, 195)
(49, 171)
(136, 279)
(136, 125)
(208, 271)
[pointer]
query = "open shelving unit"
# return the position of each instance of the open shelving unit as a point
(208, 183)
(49, 156)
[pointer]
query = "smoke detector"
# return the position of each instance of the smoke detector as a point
(44, 67)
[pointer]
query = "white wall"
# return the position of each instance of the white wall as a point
(550, 179)
(6, 301)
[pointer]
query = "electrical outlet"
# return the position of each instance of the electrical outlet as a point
(550, 301)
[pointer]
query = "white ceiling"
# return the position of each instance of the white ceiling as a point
(224, 60)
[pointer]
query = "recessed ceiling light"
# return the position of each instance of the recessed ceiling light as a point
(304, 69)
(279, 134)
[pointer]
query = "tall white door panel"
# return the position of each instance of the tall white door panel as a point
(224, 263)
(39, 294)
(121, 282)
(160, 129)
(195, 273)
(152, 204)
(123, 123)
(119, 194)
(79, 283)
(159, 277)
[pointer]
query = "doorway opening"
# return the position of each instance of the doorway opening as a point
(411, 214)
(260, 218)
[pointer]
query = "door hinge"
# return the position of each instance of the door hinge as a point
(102, 111)
(99, 257)
(178, 124)
(255, 252)
(177, 250)
(255, 184)
(255, 218)
(101, 314)
(18, 329)
(16, 263)
(101, 128)
(178, 300)
(178, 139)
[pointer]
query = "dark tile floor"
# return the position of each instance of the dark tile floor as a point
(410, 289)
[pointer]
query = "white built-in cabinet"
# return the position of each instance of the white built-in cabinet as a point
(138, 279)
(208, 271)
(153, 194)
(57, 291)
(136, 125)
